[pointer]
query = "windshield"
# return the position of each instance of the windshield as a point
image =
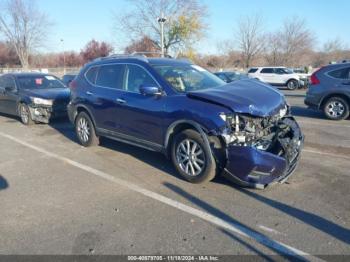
(39, 82)
(189, 77)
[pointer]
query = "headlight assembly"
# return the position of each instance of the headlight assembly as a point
(232, 120)
(40, 101)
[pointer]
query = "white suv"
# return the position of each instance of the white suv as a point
(279, 76)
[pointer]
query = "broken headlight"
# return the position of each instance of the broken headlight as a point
(40, 101)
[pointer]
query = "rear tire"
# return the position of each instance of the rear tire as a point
(85, 130)
(336, 108)
(24, 114)
(192, 158)
(292, 84)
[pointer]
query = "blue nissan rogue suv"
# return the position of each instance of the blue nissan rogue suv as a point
(206, 127)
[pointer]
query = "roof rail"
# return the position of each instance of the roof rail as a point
(121, 56)
(137, 55)
(151, 53)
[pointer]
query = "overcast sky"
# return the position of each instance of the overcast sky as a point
(79, 21)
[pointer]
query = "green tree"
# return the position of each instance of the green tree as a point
(185, 22)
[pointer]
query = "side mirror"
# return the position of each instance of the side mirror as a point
(150, 91)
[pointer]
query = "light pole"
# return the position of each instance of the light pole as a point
(64, 57)
(161, 21)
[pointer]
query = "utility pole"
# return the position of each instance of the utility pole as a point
(161, 21)
(64, 57)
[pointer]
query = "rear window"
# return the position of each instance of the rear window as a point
(340, 73)
(252, 70)
(267, 71)
(110, 76)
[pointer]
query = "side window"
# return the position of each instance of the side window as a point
(340, 73)
(9, 82)
(91, 74)
(110, 76)
(279, 71)
(137, 77)
(267, 71)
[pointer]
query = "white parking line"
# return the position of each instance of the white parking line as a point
(270, 230)
(229, 225)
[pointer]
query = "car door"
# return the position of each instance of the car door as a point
(9, 95)
(141, 115)
(103, 93)
(267, 75)
(280, 76)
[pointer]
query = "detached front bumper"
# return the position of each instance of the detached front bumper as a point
(249, 166)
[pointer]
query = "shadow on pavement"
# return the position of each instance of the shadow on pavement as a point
(306, 112)
(3, 183)
(257, 236)
(154, 159)
(322, 224)
(64, 127)
(294, 95)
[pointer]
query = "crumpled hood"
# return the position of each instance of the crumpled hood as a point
(52, 93)
(244, 96)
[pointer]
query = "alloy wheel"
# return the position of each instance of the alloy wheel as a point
(83, 129)
(292, 85)
(335, 109)
(24, 114)
(190, 157)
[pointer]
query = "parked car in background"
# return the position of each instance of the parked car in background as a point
(204, 125)
(304, 76)
(329, 91)
(34, 97)
(278, 76)
(67, 79)
(231, 76)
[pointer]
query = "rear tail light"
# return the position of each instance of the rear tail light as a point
(314, 79)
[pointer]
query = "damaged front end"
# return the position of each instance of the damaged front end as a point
(261, 150)
(42, 110)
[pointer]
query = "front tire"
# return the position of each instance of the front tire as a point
(24, 114)
(292, 84)
(336, 108)
(192, 158)
(85, 130)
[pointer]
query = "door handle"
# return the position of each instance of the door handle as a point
(89, 93)
(121, 101)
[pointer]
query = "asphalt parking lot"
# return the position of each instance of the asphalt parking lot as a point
(57, 197)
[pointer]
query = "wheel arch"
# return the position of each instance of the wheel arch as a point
(20, 102)
(326, 97)
(82, 108)
(292, 79)
(181, 125)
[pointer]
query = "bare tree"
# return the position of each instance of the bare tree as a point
(250, 38)
(23, 26)
(184, 26)
(334, 50)
(274, 53)
(296, 40)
